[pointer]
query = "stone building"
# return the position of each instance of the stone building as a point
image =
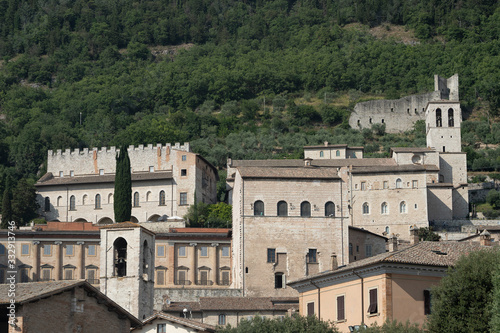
(73, 250)
(400, 115)
(62, 306)
(390, 286)
(79, 184)
(302, 212)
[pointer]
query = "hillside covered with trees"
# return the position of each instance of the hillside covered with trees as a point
(244, 79)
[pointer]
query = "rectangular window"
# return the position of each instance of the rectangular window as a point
(161, 328)
(47, 250)
(310, 309)
(386, 184)
(91, 250)
(184, 172)
(2, 249)
(414, 184)
(225, 251)
(340, 308)
(368, 250)
(61, 174)
(204, 278)
(373, 308)
(151, 169)
(279, 280)
(25, 275)
(160, 277)
(69, 250)
(25, 249)
(182, 277)
(184, 157)
(183, 198)
(72, 173)
(222, 319)
(101, 172)
(271, 255)
(160, 250)
(182, 251)
(312, 256)
(427, 302)
(225, 278)
(91, 276)
(351, 249)
(363, 186)
(46, 274)
(204, 251)
(68, 274)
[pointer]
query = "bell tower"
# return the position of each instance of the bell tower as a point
(127, 267)
(442, 122)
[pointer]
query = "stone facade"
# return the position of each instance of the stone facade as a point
(400, 115)
(79, 184)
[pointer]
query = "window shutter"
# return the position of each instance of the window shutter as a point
(373, 301)
(340, 308)
(310, 309)
(160, 277)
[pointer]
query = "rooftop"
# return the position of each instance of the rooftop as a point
(49, 180)
(200, 327)
(237, 304)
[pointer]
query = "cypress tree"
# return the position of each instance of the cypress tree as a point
(6, 207)
(123, 187)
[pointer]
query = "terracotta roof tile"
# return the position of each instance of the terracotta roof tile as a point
(200, 327)
(304, 172)
(237, 303)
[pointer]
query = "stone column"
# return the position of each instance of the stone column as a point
(36, 251)
(58, 266)
(81, 253)
(215, 263)
(193, 256)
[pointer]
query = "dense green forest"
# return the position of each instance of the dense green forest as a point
(245, 79)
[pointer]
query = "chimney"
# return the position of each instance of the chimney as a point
(334, 261)
(485, 238)
(307, 162)
(393, 244)
(413, 235)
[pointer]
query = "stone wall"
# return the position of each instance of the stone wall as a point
(161, 295)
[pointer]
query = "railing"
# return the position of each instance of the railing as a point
(182, 282)
(204, 282)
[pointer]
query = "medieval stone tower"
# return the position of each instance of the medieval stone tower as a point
(127, 267)
(443, 120)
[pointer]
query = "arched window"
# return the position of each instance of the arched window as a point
(439, 121)
(451, 120)
(366, 208)
(258, 208)
(305, 209)
(321, 154)
(84, 199)
(59, 199)
(282, 208)
(330, 209)
(337, 153)
(387, 230)
(384, 209)
(399, 183)
(72, 205)
(110, 198)
(402, 207)
(136, 199)
(47, 204)
(162, 198)
(120, 257)
(97, 201)
(148, 196)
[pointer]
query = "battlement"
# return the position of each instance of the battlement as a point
(101, 161)
(177, 146)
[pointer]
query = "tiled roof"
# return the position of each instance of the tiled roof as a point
(327, 146)
(200, 230)
(200, 327)
(443, 254)
(395, 168)
(439, 185)
(412, 150)
(49, 180)
(335, 163)
(304, 172)
(237, 304)
(366, 231)
(35, 291)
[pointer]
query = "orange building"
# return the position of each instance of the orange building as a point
(391, 286)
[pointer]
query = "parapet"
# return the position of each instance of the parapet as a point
(177, 146)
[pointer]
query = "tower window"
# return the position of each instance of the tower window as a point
(120, 257)
(439, 122)
(282, 208)
(258, 208)
(330, 209)
(305, 209)
(451, 120)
